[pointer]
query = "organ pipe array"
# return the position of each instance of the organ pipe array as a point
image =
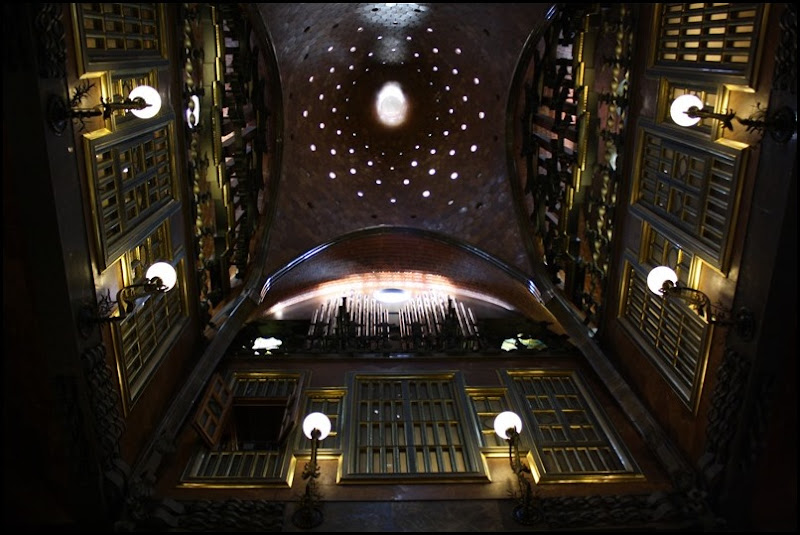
(430, 321)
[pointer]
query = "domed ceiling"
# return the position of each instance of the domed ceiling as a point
(431, 156)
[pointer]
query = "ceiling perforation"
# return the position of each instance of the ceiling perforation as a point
(437, 158)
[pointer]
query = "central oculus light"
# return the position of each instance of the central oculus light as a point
(392, 295)
(391, 104)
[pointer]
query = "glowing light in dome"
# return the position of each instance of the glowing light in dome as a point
(391, 104)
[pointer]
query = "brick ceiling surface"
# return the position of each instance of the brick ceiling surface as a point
(444, 170)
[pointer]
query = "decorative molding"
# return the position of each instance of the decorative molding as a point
(568, 176)
(138, 502)
(140, 507)
(243, 175)
(163, 445)
(726, 407)
(678, 511)
(52, 41)
(108, 422)
(757, 424)
(231, 515)
(601, 198)
(75, 446)
(105, 403)
(785, 77)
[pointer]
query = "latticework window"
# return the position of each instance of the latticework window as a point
(154, 248)
(692, 189)
(143, 337)
(112, 31)
(234, 468)
(132, 179)
(487, 404)
(571, 440)
(411, 426)
(718, 38)
(675, 337)
(231, 462)
(658, 250)
(331, 404)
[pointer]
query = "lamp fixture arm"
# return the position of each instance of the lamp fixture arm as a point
(526, 512)
(781, 124)
(308, 514)
(311, 470)
(695, 298)
(129, 293)
(60, 110)
(137, 103)
(742, 320)
(725, 118)
(513, 452)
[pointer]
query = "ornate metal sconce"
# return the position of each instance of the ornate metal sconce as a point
(143, 101)
(161, 278)
(316, 427)
(663, 281)
(687, 110)
(507, 425)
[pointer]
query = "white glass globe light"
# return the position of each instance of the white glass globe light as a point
(149, 95)
(657, 277)
(681, 105)
(319, 421)
(165, 272)
(505, 421)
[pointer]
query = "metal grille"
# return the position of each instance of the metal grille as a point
(409, 426)
(569, 436)
(719, 36)
(674, 334)
(690, 188)
(111, 30)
